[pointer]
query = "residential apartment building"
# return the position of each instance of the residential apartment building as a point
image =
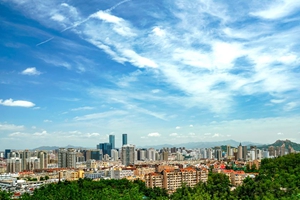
(171, 179)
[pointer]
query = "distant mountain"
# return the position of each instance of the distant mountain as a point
(48, 148)
(193, 145)
(279, 143)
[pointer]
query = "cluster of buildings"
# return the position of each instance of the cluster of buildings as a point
(167, 168)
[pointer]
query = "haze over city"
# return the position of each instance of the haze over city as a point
(166, 72)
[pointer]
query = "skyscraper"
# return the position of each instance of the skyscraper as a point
(240, 152)
(106, 148)
(124, 139)
(66, 158)
(127, 154)
(245, 153)
(6, 153)
(112, 141)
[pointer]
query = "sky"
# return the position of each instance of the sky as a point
(164, 72)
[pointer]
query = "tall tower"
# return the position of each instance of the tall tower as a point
(228, 151)
(124, 139)
(127, 154)
(25, 155)
(43, 156)
(71, 158)
(245, 152)
(62, 158)
(112, 141)
(240, 152)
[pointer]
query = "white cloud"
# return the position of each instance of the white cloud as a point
(138, 60)
(290, 106)
(16, 134)
(174, 134)
(216, 135)
(47, 121)
(154, 135)
(280, 133)
(83, 108)
(277, 101)
(158, 31)
(177, 127)
(19, 103)
(31, 71)
(11, 127)
(155, 91)
(43, 133)
(191, 126)
(277, 9)
(58, 17)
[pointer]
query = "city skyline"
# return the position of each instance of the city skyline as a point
(168, 73)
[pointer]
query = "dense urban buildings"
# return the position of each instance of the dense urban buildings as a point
(166, 168)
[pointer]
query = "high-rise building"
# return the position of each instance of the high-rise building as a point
(14, 165)
(106, 148)
(112, 141)
(124, 139)
(6, 153)
(282, 150)
(151, 154)
(228, 151)
(218, 153)
(272, 151)
(43, 156)
(114, 155)
(96, 154)
(24, 156)
(128, 154)
(240, 152)
(66, 158)
(141, 154)
(165, 156)
(245, 152)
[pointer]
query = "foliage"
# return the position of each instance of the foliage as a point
(5, 195)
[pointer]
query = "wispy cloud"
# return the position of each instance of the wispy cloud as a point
(83, 108)
(11, 127)
(107, 114)
(18, 103)
(31, 71)
(277, 9)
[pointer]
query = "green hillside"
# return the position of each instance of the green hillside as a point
(279, 143)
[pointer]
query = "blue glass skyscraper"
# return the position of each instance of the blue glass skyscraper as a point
(112, 141)
(124, 139)
(106, 148)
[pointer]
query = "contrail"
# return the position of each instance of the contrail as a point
(79, 23)
(115, 6)
(76, 24)
(45, 41)
(107, 10)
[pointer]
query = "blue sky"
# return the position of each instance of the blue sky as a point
(171, 71)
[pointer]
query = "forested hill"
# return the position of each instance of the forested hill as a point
(279, 143)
